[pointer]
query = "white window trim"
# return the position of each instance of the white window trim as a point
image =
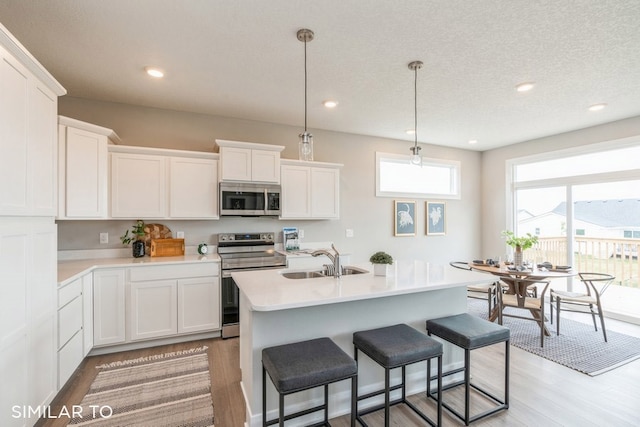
(453, 164)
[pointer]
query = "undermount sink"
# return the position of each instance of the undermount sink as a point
(346, 271)
(303, 274)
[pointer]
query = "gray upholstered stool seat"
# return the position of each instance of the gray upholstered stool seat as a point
(394, 347)
(304, 365)
(470, 332)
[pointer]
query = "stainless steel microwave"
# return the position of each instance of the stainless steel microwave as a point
(237, 199)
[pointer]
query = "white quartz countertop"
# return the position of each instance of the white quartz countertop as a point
(72, 269)
(269, 290)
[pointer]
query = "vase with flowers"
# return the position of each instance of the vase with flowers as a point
(519, 244)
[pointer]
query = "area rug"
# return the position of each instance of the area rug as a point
(578, 346)
(171, 389)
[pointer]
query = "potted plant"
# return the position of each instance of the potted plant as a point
(137, 233)
(380, 261)
(520, 244)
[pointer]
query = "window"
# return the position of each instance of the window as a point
(396, 177)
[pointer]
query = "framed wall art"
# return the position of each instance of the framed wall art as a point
(436, 213)
(404, 218)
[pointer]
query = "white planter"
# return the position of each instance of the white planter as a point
(380, 269)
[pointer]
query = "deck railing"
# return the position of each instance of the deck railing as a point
(618, 257)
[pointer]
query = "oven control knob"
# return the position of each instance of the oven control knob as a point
(223, 237)
(232, 237)
(269, 236)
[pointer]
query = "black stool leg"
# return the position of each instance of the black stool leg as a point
(506, 374)
(386, 397)
(326, 404)
(354, 399)
(467, 384)
(281, 410)
(264, 397)
(439, 389)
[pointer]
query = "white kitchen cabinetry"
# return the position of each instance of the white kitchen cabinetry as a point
(28, 328)
(249, 162)
(70, 334)
(159, 183)
(138, 186)
(310, 190)
(193, 188)
(109, 306)
(171, 300)
(87, 313)
(28, 237)
(83, 172)
(153, 309)
(28, 113)
(198, 304)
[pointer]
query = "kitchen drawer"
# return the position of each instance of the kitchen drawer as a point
(173, 271)
(69, 358)
(69, 292)
(69, 321)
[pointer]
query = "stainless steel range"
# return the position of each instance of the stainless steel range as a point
(243, 252)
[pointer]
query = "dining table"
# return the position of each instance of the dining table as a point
(518, 280)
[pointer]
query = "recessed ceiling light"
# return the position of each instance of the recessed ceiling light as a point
(524, 87)
(330, 104)
(410, 131)
(154, 72)
(597, 107)
(473, 141)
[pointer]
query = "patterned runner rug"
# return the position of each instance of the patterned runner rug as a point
(172, 389)
(578, 346)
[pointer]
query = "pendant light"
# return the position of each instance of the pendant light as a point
(416, 159)
(305, 144)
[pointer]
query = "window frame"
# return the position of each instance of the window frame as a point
(455, 176)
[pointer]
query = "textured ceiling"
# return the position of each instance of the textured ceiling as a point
(242, 59)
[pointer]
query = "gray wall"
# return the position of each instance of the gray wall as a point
(494, 193)
(370, 217)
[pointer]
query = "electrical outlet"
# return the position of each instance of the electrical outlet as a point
(301, 234)
(104, 238)
(349, 232)
(179, 234)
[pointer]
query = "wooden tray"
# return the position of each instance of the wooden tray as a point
(167, 247)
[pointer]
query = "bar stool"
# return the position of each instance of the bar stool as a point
(305, 365)
(469, 333)
(394, 347)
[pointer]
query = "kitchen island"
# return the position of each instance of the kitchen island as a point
(277, 310)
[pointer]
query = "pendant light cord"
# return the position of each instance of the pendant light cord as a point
(305, 86)
(415, 107)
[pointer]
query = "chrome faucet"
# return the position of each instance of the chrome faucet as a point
(335, 259)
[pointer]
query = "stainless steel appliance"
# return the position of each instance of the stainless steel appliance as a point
(238, 199)
(243, 252)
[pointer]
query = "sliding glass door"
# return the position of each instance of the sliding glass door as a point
(585, 209)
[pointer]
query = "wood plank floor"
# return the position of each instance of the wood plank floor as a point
(543, 393)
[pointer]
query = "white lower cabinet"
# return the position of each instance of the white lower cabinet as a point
(87, 313)
(155, 301)
(153, 309)
(109, 306)
(198, 305)
(70, 330)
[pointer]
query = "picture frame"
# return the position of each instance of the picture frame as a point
(404, 213)
(436, 218)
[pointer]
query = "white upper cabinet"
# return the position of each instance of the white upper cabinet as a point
(193, 191)
(28, 115)
(249, 162)
(138, 186)
(151, 183)
(83, 169)
(310, 190)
